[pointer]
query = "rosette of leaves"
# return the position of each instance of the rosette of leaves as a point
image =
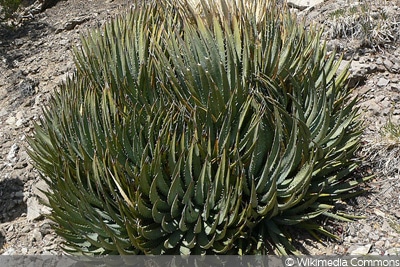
(204, 129)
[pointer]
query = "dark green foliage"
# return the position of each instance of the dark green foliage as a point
(198, 131)
(8, 7)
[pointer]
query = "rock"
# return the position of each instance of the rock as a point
(12, 154)
(372, 106)
(374, 236)
(359, 250)
(34, 209)
(395, 87)
(379, 212)
(11, 120)
(388, 64)
(382, 82)
(20, 165)
(9, 251)
(45, 229)
(352, 230)
(20, 122)
(358, 71)
(26, 229)
(396, 68)
(71, 24)
(39, 188)
(3, 112)
(36, 235)
(397, 214)
(303, 4)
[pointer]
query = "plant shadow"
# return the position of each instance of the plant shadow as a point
(17, 42)
(12, 203)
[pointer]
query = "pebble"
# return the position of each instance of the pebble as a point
(11, 120)
(388, 64)
(45, 229)
(33, 209)
(39, 188)
(395, 87)
(359, 250)
(9, 251)
(12, 154)
(26, 229)
(36, 235)
(20, 165)
(380, 243)
(382, 82)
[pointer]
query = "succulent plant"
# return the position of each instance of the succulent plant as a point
(198, 129)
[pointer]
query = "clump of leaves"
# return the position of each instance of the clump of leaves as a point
(198, 129)
(383, 151)
(372, 22)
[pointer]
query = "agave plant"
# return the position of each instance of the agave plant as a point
(204, 128)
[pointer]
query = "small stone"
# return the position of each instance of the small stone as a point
(388, 64)
(26, 229)
(396, 68)
(20, 122)
(20, 165)
(386, 227)
(380, 243)
(49, 238)
(379, 212)
(397, 214)
(12, 154)
(24, 250)
(395, 87)
(359, 250)
(36, 235)
(9, 251)
(352, 230)
(45, 229)
(11, 120)
(3, 112)
(33, 209)
(19, 115)
(39, 188)
(382, 82)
